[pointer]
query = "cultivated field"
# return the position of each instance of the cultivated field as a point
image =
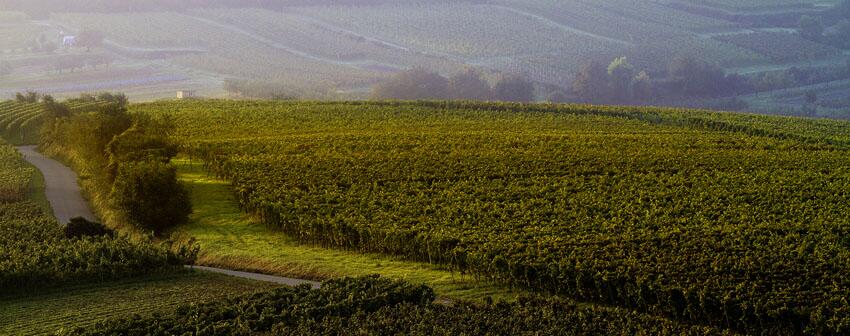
(691, 215)
(341, 51)
(70, 307)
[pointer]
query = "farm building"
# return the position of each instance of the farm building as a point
(69, 41)
(185, 94)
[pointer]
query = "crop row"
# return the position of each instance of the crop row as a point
(735, 221)
(34, 251)
(377, 306)
(14, 175)
(20, 123)
(779, 46)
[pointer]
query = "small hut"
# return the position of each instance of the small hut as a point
(69, 41)
(185, 94)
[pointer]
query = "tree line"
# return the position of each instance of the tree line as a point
(470, 84)
(127, 155)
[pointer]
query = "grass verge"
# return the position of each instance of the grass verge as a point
(79, 306)
(234, 240)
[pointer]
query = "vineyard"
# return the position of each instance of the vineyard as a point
(35, 253)
(228, 52)
(759, 5)
(15, 176)
(20, 122)
(85, 305)
(340, 51)
(781, 47)
(727, 220)
(377, 306)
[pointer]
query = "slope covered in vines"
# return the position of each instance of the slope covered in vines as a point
(727, 220)
(377, 306)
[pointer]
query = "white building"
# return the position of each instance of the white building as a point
(69, 41)
(185, 94)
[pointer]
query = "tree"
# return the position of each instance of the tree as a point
(49, 47)
(557, 96)
(810, 28)
(513, 89)
(151, 196)
(146, 140)
(692, 77)
(620, 74)
(469, 84)
(5, 69)
(28, 97)
(842, 10)
(90, 39)
(839, 35)
(413, 84)
(642, 89)
(811, 97)
(53, 109)
(591, 83)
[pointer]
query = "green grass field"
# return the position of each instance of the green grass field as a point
(84, 305)
(233, 240)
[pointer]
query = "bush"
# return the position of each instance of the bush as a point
(414, 84)
(151, 196)
(80, 227)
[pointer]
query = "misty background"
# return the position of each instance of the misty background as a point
(789, 57)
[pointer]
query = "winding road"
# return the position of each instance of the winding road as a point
(65, 198)
(61, 187)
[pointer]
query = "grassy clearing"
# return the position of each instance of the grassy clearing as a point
(233, 240)
(85, 305)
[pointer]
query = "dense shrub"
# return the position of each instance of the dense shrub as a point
(80, 227)
(151, 196)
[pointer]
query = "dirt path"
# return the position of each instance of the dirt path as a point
(61, 187)
(258, 277)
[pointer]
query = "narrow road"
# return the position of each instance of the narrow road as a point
(67, 202)
(258, 277)
(61, 187)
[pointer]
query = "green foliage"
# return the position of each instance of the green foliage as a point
(591, 83)
(151, 196)
(90, 38)
(15, 176)
(80, 227)
(723, 219)
(513, 89)
(127, 158)
(146, 140)
(469, 85)
(621, 73)
(35, 253)
(810, 28)
(6, 69)
(377, 306)
(642, 87)
(414, 84)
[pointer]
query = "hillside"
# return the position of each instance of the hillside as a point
(632, 216)
(339, 50)
(719, 219)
